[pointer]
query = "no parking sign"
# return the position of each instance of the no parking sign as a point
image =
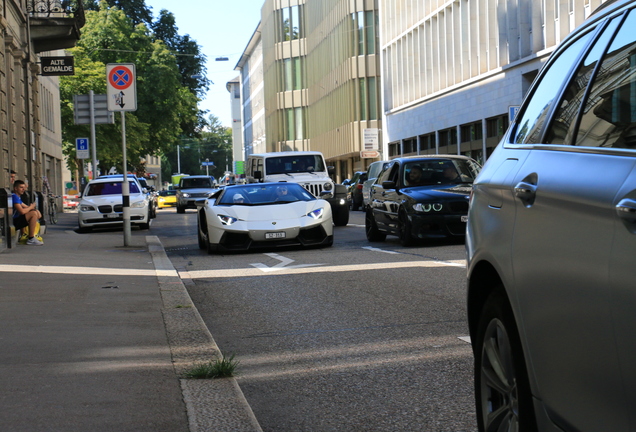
(121, 87)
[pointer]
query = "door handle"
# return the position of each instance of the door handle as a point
(525, 191)
(626, 209)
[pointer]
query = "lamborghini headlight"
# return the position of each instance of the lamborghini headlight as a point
(316, 214)
(227, 220)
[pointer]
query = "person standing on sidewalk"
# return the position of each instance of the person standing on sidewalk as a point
(25, 215)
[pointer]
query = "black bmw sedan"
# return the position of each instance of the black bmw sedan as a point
(421, 197)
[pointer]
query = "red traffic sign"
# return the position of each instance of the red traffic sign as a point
(121, 87)
(120, 77)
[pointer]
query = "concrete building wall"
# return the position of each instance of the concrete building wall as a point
(252, 96)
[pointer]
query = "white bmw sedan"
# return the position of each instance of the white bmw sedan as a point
(263, 215)
(101, 204)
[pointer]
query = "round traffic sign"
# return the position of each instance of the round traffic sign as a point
(120, 77)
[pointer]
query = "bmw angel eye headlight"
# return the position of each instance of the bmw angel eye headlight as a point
(86, 208)
(138, 204)
(316, 214)
(427, 207)
(227, 220)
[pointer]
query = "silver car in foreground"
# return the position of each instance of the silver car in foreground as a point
(550, 243)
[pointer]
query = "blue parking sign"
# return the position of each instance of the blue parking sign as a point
(81, 148)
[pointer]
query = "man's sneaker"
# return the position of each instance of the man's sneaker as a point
(34, 242)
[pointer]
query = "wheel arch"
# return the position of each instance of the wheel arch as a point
(483, 281)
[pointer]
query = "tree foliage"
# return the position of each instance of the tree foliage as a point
(214, 144)
(166, 105)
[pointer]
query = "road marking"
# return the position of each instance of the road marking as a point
(283, 264)
(247, 272)
(464, 338)
(84, 270)
(371, 248)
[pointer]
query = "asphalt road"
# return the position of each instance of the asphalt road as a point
(357, 337)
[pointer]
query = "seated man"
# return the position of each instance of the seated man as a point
(451, 175)
(238, 198)
(281, 194)
(25, 215)
(414, 177)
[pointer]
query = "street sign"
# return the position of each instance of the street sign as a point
(204, 163)
(56, 66)
(81, 148)
(369, 154)
(512, 112)
(121, 87)
(371, 138)
(81, 108)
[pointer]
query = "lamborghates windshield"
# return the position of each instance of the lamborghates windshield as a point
(265, 194)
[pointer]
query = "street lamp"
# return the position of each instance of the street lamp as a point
(207, 171)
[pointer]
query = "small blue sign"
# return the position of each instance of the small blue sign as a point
(512, 112)
(207, 163)
(81, 148)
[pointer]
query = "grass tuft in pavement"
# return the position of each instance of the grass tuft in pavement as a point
(220, 368)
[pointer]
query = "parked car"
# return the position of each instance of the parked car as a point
(167, 198)
(101, 204)
(433, 205)
(143, 186)
(354, 191)
(191, 189)
(264, 215)
(550, 243)
(372, 174)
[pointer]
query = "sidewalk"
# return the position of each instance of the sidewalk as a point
(95, 337)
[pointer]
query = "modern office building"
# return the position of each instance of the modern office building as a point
(321, 81)
(454, 72)
(250, 66)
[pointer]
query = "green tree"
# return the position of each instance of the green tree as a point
(136, 10)
(214, 144)
(163, 103)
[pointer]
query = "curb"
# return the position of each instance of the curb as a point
(212, 405)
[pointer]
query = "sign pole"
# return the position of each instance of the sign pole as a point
(125, 187)
(121, 89)
(91, 102)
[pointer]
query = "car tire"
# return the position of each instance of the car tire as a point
(502, 390)
(354, 206)
(212, 248)
(371, 228)
(180, 209)
(341, 216)
(404, 228)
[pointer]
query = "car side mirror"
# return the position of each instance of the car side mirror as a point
(331, 170)
(388, 185)
(258, 175)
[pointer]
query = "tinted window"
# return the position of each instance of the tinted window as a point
(196, 183)
(564, 123)
(609, 115)
(535, 112)
(111, 188)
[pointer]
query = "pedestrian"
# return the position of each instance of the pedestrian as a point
(12, 175)
(25, 215)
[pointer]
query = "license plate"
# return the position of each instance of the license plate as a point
(465, 218)
(112, 215)
(275, 235)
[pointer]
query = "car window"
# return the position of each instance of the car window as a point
(264, 194)
(533, 117)
(390, 173)
(609, 114)
(564, 122)
(109, 188)
(196, 183)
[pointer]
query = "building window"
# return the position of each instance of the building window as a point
(394, 149)
(363, 99)
(373, 98)
(291, 23)
(365, 36)
(496, 126)
(295, 124)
